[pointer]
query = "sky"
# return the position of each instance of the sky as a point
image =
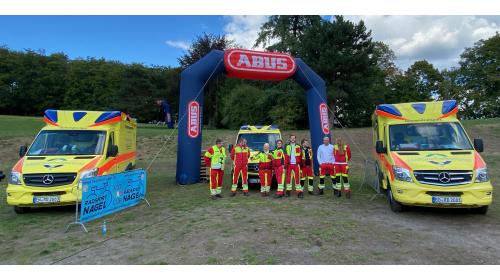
(160, 40)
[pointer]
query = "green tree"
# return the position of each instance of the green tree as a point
(284, 33)
(200, 47)
(480, 77)
(243, 104)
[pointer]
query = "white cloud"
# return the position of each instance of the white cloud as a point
(244, 30)
(183, 45)
(438, 39)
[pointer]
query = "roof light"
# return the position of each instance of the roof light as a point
(51, 115)
(419, 107)
(448, 106)
(389, 108)
(78, 115)
(107, 115)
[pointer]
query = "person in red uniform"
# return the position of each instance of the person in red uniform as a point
(306, 172)
(342, 154)
(265, 170)
(279, 167)
(292, 165)
(240, 155)
(214, 158)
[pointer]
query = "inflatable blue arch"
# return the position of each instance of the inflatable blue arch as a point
(244, 64)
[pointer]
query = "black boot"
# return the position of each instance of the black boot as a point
(348, 195)
(233, 194)
(310, 192)
(213, 197)
(336, 193)
(321, 192)
(300, 195)
(278, 196)
(246, 194)
(219, 195)
(287, 193)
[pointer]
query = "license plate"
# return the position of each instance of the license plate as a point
(254, 181)
(46, 199)
(446, 200)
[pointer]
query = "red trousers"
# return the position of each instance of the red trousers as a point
(341, 169)
(216, 177)
(306, 172)
(278, 172)
(326, 169)
(243, 169)
(266, 177)
(295, 168)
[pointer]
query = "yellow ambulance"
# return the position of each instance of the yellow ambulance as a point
(424, 157)
(256, 136)
(73, 145)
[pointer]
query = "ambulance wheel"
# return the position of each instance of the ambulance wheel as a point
(21, 210)
(480, 210)
(395, 206)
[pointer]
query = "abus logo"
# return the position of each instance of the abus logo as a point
(323, 114)
(193, 119)
(256, 65)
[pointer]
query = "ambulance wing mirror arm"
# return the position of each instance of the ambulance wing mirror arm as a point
(379, 147)
(478, 145)
(112, 151)
(22, 150)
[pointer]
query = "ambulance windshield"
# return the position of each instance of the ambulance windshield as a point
(68, 142)
(428, 137)
(256, 141)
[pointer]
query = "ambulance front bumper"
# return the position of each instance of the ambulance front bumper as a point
(465, 196)
(25, 196)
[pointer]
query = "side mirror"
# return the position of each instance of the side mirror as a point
(230, 147)
(379, 147)
(2, 176)
(112, 151)
(478, 145)
(22, 150)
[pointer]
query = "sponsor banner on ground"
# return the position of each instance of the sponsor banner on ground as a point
(107, 194)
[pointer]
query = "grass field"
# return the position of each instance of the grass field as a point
(184, 227)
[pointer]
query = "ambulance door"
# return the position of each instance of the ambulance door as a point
(111, 162)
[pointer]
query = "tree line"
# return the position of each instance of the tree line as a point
(359, 73)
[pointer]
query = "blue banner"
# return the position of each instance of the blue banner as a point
(107, 194)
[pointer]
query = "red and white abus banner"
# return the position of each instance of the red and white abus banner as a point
(257, 65)
(323, 114)
(193, 119)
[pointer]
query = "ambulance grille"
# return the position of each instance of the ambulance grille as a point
(253, 167)
(49, 179)
(443, 177)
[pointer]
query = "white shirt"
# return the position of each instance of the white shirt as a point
(292, 154)
(325, 154)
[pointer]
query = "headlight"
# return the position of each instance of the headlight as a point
(15, 178)
(401, 174)
(482, 175)
(89, 173)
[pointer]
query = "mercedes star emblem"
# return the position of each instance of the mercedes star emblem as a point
(48, 179)
(444, 177)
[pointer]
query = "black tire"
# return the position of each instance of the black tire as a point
(480, 210)
(21, 210)
(395, 206)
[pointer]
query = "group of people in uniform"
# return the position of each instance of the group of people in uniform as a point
(291, 165)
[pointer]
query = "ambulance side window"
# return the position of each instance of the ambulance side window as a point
(111, 140)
